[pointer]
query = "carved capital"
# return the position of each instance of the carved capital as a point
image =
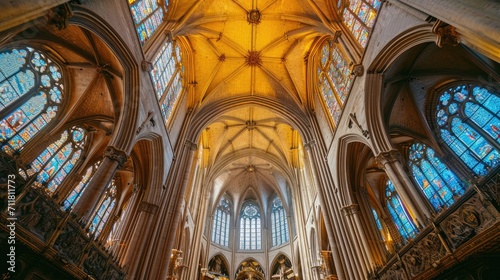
(148, 207)
(350, 209)
(388, 157)
(336, 36)
(116, 155)
(309, 145)
(446, 34)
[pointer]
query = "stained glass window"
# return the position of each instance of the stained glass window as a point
(250, 227)
(398, 213)
(147, 17)
(359, 18)
(30, 94)
(335, 79)
(167, 78)
(439, 184)
(467, 117)
(104, 209)
(220, 230)
(57, 160)
(279, 225)
(377, 220)
(77, 191)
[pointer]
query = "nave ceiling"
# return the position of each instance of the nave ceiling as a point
(250, 48)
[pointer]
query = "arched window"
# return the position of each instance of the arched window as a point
(103, 212)
(335, 79)
(73, 197)
(398, 213)
(250, 229)
(359, 18)
(279, 225)
(377, 220)
(147, 17)
(439, 184)
(30, 95)
(167, 78)
(222, 217)
(467, 117)
(57, 160)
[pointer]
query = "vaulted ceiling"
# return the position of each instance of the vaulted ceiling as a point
(250, 48)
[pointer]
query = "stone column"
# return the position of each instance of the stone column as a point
(406, 192)
(112, 161)
(140, 238)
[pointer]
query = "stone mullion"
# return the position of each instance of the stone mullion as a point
(35, 147)
(113, 159)
(67, 186)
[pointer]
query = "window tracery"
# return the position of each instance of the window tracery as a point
(279, 225)
(359, 17)
(220, 229)
(438, 183)
(250, 227)
(167, 78)
(398, 212)
(468, 122)
(57, 160)
(74, 196)
(148, 16)
(30, 95)
(104, 209)
(335, 79)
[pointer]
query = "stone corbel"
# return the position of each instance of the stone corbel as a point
(191, 145)
(357, 70)
(146, 65)
(59, 15)
(350, 209)
(446, 34)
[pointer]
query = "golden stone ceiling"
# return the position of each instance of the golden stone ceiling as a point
(249, 48)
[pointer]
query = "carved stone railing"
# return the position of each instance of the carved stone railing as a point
(470, 226)
(52, 233)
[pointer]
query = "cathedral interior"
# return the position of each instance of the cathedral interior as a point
(250, 139)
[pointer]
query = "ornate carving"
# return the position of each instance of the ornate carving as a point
(424, 255)
(37, 215)
(222, 58)
(388, 157)
(253, 58)
(70, 244)
(309, 145)
(116, 155)
(95, 264)
(253, 16)
(148, 207)
(395, 272)
(191, 145)
(357, 70)
(492, 190)
(59, 15)
(446, 34)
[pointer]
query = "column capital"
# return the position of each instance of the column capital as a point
(309, 145)
(116, 155)
(350, 209)
(191, 145)
(388, 157)
(446, 34)
(148, 207)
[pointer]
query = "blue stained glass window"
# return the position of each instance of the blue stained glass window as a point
(439, 184)
(147, 17)
(335, 79)
(167, 78)
(104, 209)
(250, 227)
(359, 17)
(73, 197)
(30, 94)
(469, 123)
(220, 229)
(398, 212)
(279, 225)
(377, 220)
(57, 160)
